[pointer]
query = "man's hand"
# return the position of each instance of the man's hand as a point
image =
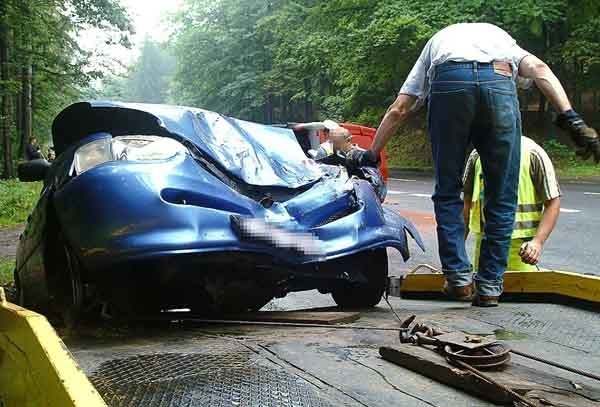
(585, 137)
(361, 158)
(531, 251)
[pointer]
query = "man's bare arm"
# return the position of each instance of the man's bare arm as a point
(531, 251)
(585, 137)
(549, 218)
(534, 68)
(395, 115)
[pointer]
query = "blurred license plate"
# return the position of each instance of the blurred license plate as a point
(257, 230)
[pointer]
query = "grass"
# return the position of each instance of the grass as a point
(579, 170)
(411, 149)
(6, 270)
(17, 200)
(567, 164)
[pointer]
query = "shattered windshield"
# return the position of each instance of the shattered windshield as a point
(258, 154)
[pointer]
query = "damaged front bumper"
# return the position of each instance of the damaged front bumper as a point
(133, 211)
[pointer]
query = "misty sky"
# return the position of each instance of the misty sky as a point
(149, 19)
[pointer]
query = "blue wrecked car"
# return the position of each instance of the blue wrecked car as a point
(149, 208)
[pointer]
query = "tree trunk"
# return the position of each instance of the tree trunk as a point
(581, 74)
(33, 100)
(5, 109)
(26, 103)
(268, 112)
(18, 124)
(307, 104)
(323, 85)
(26, 73)
(283, 108)
(576, 89)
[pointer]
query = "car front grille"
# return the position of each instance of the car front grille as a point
(338, 215)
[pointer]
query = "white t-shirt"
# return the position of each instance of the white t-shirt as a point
(480, 42)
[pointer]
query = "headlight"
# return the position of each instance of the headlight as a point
(130, 148)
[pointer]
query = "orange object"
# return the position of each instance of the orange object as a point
(363, 136)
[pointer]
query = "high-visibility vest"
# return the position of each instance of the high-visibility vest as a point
(529, 207)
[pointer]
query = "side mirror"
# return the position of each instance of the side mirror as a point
(34, 170)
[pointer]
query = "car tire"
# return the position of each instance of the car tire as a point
(19, 293)
(74, 291)
(374, 266)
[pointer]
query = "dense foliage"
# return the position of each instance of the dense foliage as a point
(276, 60)
(42, 66)
(285, 60)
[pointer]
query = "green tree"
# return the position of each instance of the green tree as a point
(304, 59)
(44, 68)
(222, 58)
(150, 76)
(147, 80)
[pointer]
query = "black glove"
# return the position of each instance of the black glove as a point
(356, 158)
(582, 135)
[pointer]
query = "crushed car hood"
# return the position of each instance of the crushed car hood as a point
(257, 154)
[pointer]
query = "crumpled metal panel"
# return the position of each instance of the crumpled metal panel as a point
(220, 374)
(258, 154)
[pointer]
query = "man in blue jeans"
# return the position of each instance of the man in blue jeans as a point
(469, 73)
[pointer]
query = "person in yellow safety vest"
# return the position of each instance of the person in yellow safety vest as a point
(537, 209)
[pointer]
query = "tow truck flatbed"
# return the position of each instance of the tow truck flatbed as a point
(189, 363)
(289, 366)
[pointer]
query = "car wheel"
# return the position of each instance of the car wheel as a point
(374, 266)
(19, 292)
(74, 291)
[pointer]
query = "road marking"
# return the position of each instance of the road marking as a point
(393, 192)
(403, 179)
(565, 210)
(591, 193)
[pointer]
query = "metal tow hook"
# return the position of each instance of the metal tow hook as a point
(420, 334)
(469, 352)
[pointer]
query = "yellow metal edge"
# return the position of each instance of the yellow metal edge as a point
(36, 368)
(573, 285)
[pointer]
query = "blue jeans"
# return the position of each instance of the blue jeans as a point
(470, 102)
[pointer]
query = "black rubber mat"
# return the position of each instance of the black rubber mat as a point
(572, 327)
(220, 374)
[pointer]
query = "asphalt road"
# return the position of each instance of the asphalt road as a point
(573, 246)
